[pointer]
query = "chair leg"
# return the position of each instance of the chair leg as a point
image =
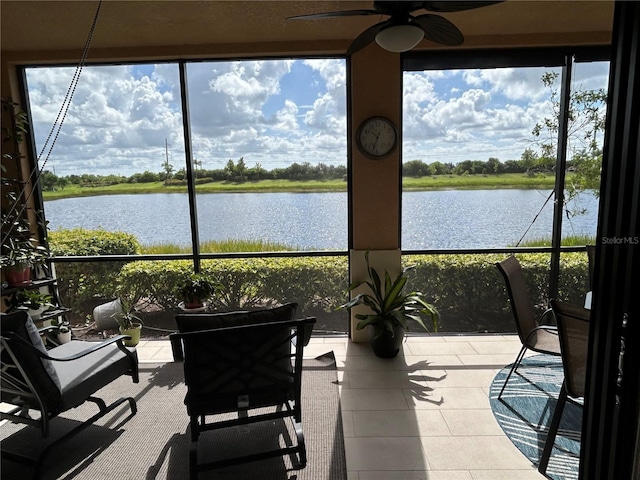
(103, 410)
(302, 448)
(193, 460)
(519, 358)
(553, 430)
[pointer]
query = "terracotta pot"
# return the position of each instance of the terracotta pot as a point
(387, 345)
(18, 275)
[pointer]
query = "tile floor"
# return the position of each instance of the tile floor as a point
(424, 415)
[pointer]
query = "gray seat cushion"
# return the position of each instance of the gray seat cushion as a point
(85, 376)
(41, 371)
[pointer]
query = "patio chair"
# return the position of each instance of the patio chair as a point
(573, 328)
(40, 384)
(247, 365)
(533, 334)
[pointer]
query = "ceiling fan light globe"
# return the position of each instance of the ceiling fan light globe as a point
(400, 38)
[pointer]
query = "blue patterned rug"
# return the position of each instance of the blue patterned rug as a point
(526, 409)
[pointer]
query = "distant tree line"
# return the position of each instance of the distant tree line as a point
(530, 163)
(238, 172)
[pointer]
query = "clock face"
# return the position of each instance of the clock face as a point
(377, 137)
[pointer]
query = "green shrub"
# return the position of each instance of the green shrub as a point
(470, 287)
(81, 282)
(467, 289)
(312, 282)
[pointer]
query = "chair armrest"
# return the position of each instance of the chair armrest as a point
(548, 328)
(118, 339)
(47, 329)
(176, 347)
(548, 313)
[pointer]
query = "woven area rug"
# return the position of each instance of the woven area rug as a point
(526, 409)
(154, 443)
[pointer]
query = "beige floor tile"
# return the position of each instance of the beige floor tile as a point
(389, 453)
(401, 423)
(452, 397)
(425, 338)
(469, 453)
(528, 474)
(471, 422)
(402, 475)
(317, 349)
(487, 348)
(497, 360)
(390, 379)
(146, 353)
(449, 475)
(427, 350)
(465, 377)
(361, 348)
(347, 423)
(355, 363)
(433, 361)
(373, 399)
(473, 338)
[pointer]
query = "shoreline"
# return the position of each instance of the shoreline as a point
(409, 184)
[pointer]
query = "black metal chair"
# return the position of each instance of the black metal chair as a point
(241, 363)
(41, 384)
(573, 329)
(533, 334)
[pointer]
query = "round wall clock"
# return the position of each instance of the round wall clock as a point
(377, 137)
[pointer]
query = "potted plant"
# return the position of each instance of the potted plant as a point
(392, 309)
(34, 301)
(63, 332)
(20, 257)
(129, 321)
(195, 290)
(20, 251)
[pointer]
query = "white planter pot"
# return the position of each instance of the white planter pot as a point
(35, 313)
(103, 315)
(64, 337)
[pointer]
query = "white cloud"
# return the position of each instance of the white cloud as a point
(277, 112)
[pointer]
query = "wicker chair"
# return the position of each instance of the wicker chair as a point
(247, 364)
(573, 329)
(35, 380)
(533, 334)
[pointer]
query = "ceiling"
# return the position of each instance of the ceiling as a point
(261, 25)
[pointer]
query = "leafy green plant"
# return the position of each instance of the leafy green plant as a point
(19, 248)
(29, 299)
(391, 307)
(195, 289)
(22, 252)
(129, 316)
(81, 283)
(61, 327)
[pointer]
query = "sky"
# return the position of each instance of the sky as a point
(125, 119)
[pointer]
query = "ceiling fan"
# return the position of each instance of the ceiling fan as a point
(403, 31)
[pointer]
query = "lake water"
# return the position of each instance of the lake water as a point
(318, 221)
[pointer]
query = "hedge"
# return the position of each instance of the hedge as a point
(467, 288)
(80, 282)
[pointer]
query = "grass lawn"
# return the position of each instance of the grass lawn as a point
(436, 182)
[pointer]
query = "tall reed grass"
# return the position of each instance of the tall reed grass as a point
(570, 241)
(222, 246)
